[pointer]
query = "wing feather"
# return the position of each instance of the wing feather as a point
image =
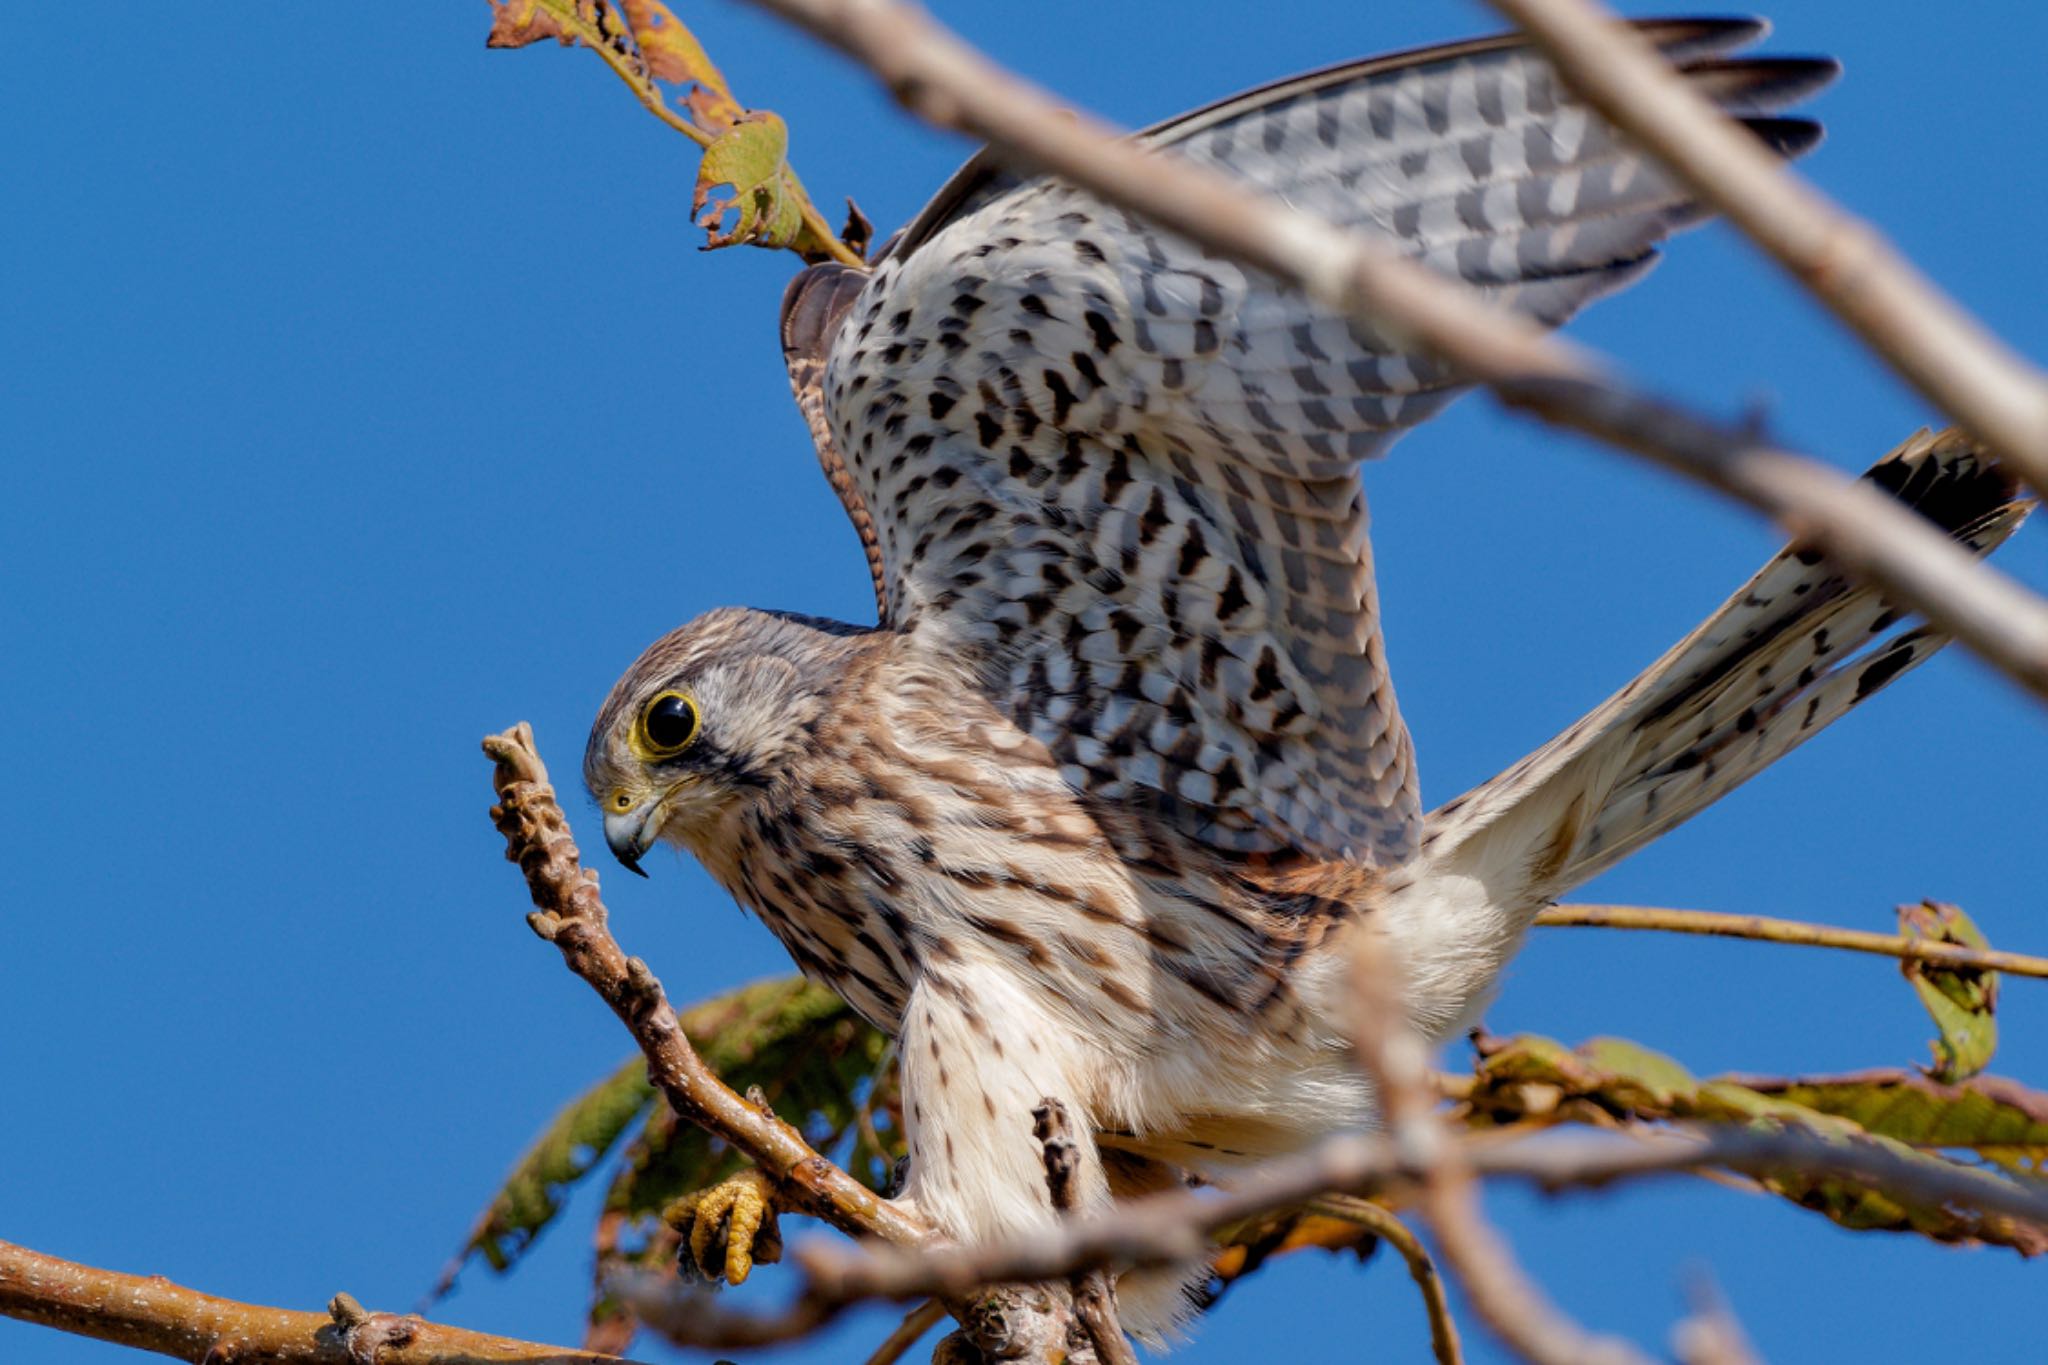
(1117, 477)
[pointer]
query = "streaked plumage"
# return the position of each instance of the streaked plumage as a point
(1077, 818)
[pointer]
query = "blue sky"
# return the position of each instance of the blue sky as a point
(364, 391)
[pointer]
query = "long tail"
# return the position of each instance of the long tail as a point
(1795, 649)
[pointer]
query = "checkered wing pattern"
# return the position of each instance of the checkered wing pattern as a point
(1119, 476)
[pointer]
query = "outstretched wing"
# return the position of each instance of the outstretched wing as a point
(1119, 476)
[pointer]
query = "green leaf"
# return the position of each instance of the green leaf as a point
(574, 1142)
(804, 1048)
(1962, 1000)
(1990, 1117)
(1612, 1082)
(751, 157)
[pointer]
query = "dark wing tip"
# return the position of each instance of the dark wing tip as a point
(1694, 37)
(1761, 85)
(1947, 477)
(1788, 137)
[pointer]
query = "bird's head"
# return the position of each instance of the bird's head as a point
(710, 715)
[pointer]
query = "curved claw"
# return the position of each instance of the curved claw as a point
(730, 1227)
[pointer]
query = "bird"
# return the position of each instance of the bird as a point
(1087, 813)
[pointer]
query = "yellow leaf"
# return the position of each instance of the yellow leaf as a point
(515, 23)
(673, 54)
(667, 69)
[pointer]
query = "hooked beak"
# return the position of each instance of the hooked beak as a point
(631, 833)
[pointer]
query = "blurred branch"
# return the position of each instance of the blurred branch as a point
(1710, 1335)
(915, 1324)
(1901, 315)
(1395, 1058)
(572, 917)
(1720, 924)
(939, 77)
(149, 1313)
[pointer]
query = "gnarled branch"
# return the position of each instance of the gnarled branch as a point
(150, 1313)
(572, 917)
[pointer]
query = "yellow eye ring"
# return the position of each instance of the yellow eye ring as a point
(668, 725)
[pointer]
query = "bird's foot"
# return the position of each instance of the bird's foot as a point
(730, 1227)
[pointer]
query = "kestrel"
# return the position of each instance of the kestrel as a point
(1082, 815)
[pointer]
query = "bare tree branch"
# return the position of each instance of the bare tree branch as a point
(572, 917)
(1721, 924)
(150, 1313)
(1901, 315)
(936, 75)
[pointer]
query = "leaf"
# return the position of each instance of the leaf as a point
(575, 1141)
(1614, 1082)
(515, 23)
(1245, 1247)
(809, 1060)
(1963, 1000)
(800, 1043)
(652, 52)
(751, 157)
(673, 54)
(1996, 1119)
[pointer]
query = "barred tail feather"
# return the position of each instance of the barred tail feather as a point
(1795, 649)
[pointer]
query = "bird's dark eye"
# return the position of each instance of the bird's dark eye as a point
(669, 724)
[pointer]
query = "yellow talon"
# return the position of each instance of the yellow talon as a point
(730, 1226)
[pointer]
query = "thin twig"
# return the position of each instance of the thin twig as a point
(572, 917)
(1388, 1227)
(1901, 315)
(915, 1324)
(149, 1313)
(1396, 1060)
(1720, 924)
(936, 75)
